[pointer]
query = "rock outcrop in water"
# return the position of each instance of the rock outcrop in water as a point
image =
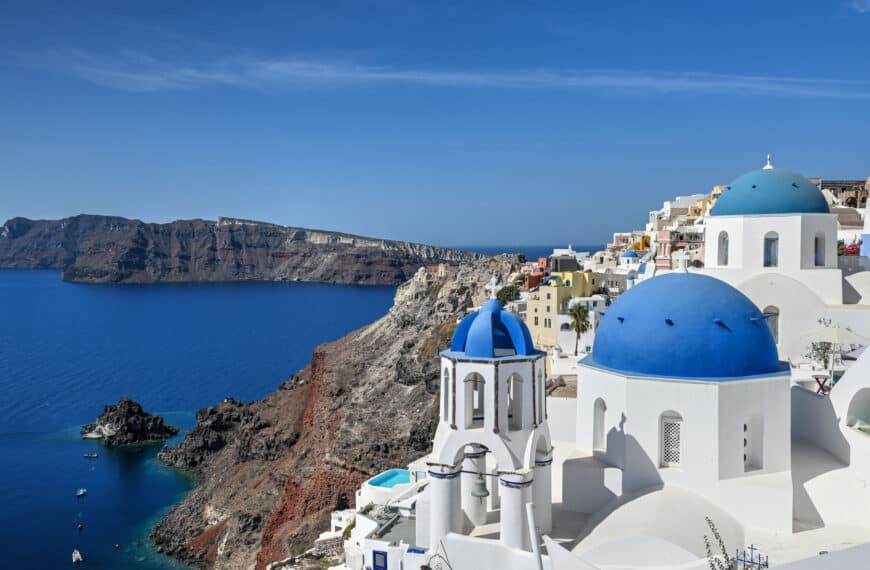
(103, 249)
(126, 423)
(271, 471)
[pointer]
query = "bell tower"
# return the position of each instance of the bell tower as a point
(492, 448)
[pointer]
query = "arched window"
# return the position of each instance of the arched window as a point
(475, 400)
(772, 314)
(599, 437)
(771, 249)
(819, 247)
(445, 389)
(723, 249)
(565, 327)
(542, 393)
(515, 402)
(671, 439)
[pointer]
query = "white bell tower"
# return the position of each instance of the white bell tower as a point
(492, 448)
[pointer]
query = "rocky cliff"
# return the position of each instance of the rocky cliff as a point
(270, 472)
(102, 249)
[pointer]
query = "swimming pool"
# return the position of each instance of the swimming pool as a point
(391, 478)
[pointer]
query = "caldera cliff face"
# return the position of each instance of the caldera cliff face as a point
(270, 472)
(105, 249)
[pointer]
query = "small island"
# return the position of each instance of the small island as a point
(126, 423)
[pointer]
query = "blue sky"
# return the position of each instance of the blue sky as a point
(441, 122)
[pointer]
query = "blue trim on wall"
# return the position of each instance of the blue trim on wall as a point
(589, 361)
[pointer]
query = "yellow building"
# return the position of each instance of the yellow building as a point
(551, 300)
(697, 210)
(581, 283)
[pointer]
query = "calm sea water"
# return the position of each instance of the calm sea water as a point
(68, 349)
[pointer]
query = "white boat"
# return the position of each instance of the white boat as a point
(76, 557)
(81, 492)
(91, 455)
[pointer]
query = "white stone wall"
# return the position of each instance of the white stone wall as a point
(796, 250)
(562, 418)
(511, 447)
(763, 403)
(713, 415)
(799, 309)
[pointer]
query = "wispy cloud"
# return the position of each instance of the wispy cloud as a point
(861, 6)
(141, 73)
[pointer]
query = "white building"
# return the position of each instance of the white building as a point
(580, 256)
(493, 433)
(671, 211)
(596, 305)
(683, 412)
(771, 235)
(684, 388)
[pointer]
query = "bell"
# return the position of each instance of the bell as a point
(479, 489)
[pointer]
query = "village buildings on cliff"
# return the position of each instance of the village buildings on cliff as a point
(722, 394)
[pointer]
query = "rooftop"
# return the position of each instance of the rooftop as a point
(491, 332)
(770, 191)
(681, 317)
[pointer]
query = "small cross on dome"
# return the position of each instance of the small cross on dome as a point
(769, 165)
(492, 287)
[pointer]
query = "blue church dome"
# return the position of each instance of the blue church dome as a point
(685, 325)
(770, 191)
(492, 332)
(629, 254)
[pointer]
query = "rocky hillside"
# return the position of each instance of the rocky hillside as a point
(270, 472)
(102, 249)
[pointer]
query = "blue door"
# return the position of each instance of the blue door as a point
(379, 559)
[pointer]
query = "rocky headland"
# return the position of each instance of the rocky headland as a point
(126, 423)
(107, 249)
(270, 472)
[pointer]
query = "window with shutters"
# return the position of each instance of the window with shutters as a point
(672, 441)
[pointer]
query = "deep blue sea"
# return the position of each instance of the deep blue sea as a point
(67, 349)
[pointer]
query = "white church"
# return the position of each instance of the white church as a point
(685, 412)
(771, 235)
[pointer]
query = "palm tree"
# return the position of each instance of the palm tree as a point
(579, 322)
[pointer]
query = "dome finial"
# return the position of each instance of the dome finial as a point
(769, 165)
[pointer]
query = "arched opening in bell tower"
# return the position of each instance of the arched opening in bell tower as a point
(515, 402)
(475, 400)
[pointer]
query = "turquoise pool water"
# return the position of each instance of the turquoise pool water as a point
(391, 478)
